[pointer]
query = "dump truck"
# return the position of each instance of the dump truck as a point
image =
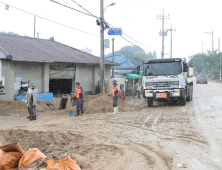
(169, 79)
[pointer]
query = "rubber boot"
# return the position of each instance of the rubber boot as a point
(114, 110)
(32, 118)
(29, 116)
(81, 112)
(117, 109)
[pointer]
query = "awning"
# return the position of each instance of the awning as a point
(135, 72)
(134, 76)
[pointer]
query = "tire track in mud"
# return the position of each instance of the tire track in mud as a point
(163, 135)
(190, 161)
(206, 118)
(160, 163)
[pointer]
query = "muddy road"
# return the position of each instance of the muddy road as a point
(159, 138)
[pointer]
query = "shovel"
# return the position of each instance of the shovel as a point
(71, 112)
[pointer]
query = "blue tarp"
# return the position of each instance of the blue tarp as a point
(41, 96)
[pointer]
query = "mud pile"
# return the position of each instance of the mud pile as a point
(95, 104)
(8, 108)
(60, 144)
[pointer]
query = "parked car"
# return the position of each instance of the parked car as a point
(201, 79)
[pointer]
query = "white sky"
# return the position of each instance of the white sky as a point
(138, 18)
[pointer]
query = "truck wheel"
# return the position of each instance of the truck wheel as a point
(150, 101)
(183, 100)
(190, 97)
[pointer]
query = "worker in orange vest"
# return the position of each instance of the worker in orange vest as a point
(115, 93)
(80, 97)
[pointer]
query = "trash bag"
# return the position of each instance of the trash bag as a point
(8, 160)
(66, 164)
(122, 96)
(31, 156)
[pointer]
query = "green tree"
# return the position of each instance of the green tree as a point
(132, 51)
(138, 58)
(154, 55)
(208, 64)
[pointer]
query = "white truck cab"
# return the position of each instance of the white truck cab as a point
(167, 79)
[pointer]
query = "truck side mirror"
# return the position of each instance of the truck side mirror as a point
(185, 67)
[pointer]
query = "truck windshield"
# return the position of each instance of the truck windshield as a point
(157, 69)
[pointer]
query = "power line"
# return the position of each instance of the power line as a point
(50, 20)
(72, 8)
(84, 8)
(90, 14)
(113, 27)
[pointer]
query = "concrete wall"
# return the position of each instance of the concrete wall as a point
(35, 72)
(45, 77)
(8, 73)
(88, 76)
(109, 85)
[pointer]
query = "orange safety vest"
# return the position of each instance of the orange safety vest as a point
(79, 93)
(114, 90)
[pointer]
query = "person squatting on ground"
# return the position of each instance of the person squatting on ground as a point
(31, 99)
(137, 90)
(80, 98)
(114, 93)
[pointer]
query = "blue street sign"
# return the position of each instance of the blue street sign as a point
(115, 32)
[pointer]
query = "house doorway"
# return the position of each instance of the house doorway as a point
(60, 86)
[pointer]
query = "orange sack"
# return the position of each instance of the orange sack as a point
(66, 164)
(9, 160)
(31, 156)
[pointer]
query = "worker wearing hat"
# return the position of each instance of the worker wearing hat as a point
(31, 102)
(80, 97)
(115, 93)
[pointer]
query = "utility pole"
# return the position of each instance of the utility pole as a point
(113, 59)
(211, 33)
(34, 25)
(202, 44)
(163, 33)
(101, 46)
(220, 56)
(220, 65)
(171, 43)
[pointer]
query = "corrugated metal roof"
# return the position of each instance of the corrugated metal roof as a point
(40, 50)
(125, 63)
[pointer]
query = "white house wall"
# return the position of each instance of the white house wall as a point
(84, 75)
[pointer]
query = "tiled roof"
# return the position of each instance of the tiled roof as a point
(125, 63)
(40, 50)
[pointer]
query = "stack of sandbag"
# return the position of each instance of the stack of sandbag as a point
(12, 156)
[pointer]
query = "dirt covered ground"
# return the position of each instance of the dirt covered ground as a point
(164, 137)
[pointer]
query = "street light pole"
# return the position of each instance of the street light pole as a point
(103, 26)
(101, 46)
